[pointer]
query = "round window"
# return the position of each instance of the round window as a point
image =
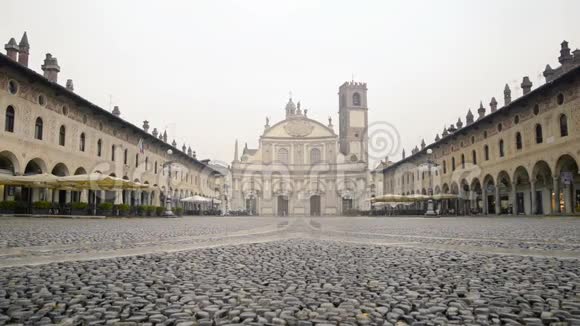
(560, 99)
(536, 109)
(42, 100)
(517, 119)
(13, 87)
(353, 158)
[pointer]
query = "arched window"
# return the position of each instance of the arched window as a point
(283, 155)
(486, 152)
(113, 149)
(137, 160)
(539, 136)
(9, 122)
(99, 147)
(125, 156)
(315, 156)
(563, 125)
(519, 140)
(474, 157)
(147, 163)
(453, 164)
(462, 161)
(38, 128)
(501, 149)
(155, 167)
(444, 167)
(82, 142)
(356, 99)
(61, 135)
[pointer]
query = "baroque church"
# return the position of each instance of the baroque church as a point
(302, 167)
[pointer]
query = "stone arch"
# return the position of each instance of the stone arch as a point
(567, 181)
(80, 170)
(60, 169)
(522, 187)
(437, 189)
(9, 163)
(504, 185)
(35, 166)
(445, 188)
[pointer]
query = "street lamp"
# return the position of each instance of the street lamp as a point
(430, 210)
(168, 212)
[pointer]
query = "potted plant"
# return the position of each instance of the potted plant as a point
(79, 208)
(140, 210)
(178, 211)
(8, 207)
(105, 209)
(159, 210)
(122, 209)
(41, 207)
(149, 210)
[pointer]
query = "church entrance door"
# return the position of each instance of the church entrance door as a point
(315, 205)
(282, 206)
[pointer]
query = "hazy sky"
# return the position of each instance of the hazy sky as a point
(211, 71)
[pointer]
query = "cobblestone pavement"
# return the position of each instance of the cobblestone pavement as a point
(390, 271)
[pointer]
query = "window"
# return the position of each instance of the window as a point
(499, 127)
(474, 157)
(82, 142)
(472, 140)
(462, 161)
(485, 134)
(155, 167)
(137, 160)
(99, 148)
(13, 87)
(536, 109)
(314, 156)
(356, 99)
(61, 135)
(563, 125)
(9, 122)
(519, 140)
(517, 119)
(41, 100)
(283, 155)
(146, 163)
(444, 167)
(501, 149)
(539, 137)
(453, 164)
(113, 148)
(560, 99)
(125, 156)
(38, 129)
(486, 152)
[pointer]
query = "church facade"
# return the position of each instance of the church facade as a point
(302, 167)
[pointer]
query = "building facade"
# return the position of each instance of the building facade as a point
(302, 167)
(48, 128)
(521, 158)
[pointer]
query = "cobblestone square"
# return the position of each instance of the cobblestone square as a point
(291, 271)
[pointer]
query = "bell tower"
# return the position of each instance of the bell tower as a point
(353, 121)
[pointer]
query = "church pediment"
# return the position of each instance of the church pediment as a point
(298, 128)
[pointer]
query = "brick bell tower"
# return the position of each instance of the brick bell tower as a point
(353, 121)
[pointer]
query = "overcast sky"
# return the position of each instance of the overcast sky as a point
(211, 71)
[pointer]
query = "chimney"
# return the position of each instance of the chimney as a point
(69, 85)
(469, 118)
(116, 111)
(526, 85)
(576, 57)
(11, 49)
(24, 50)
(507, 95)
(146, 126)
(548, 73)
(183, 148)
(164, 137)
(565, 58)
(492, 105)
(194, 155)
(50, 68)
(423, 144)
(174, 143)
(155, 132)
(189, 151)
(437, 138)
(403, 154)
(459, 124)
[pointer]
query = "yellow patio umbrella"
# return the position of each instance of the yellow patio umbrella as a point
(43, 180)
